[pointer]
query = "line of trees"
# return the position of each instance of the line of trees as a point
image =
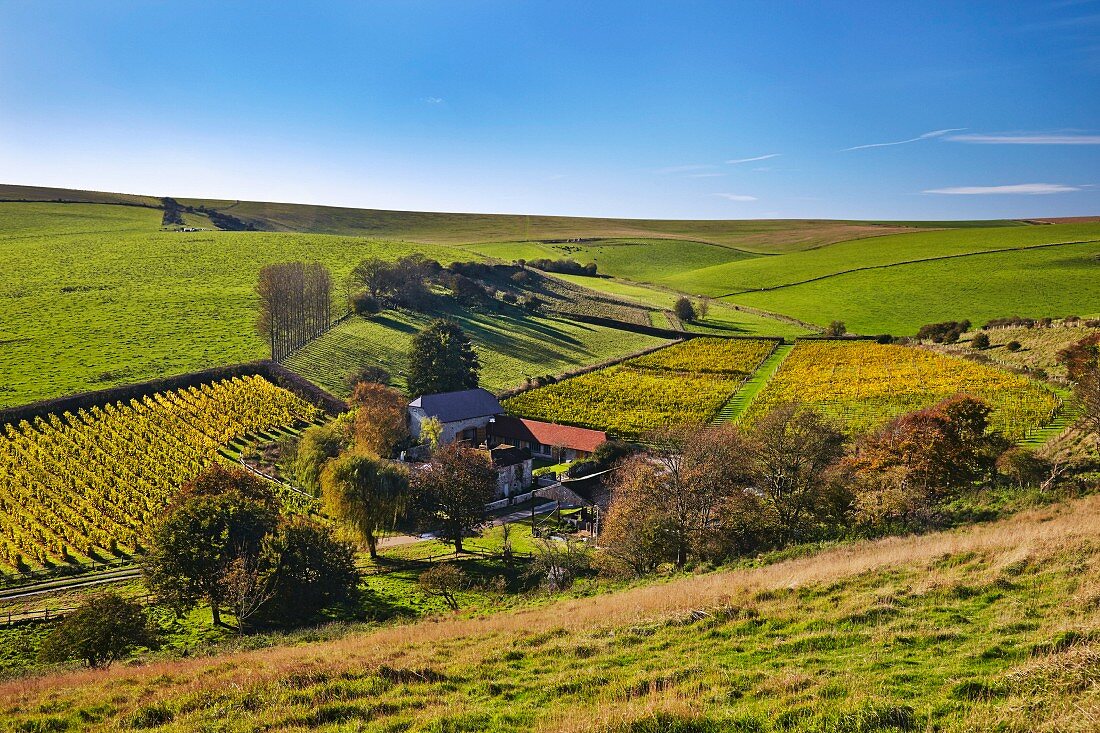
(295, 305)
(711, 493)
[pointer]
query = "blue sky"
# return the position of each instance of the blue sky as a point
(884, 110)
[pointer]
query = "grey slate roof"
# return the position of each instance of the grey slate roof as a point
(455, 406)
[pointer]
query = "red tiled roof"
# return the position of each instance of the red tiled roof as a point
(567, 436)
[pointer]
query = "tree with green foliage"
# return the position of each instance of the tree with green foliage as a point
(319, 445)
(367, 493)
(105, 627)
(218, 518)
(684, 309)
(791, 450)
(314, 570)
(441, 359)
(452, 493)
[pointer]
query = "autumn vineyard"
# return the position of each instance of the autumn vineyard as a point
(79, 486)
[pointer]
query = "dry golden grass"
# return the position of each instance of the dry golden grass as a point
(1004, 547)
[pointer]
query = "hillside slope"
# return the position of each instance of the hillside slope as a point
(777, 235)
(997, 626)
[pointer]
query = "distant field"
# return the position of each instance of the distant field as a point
(864, 384)
(511, 348)
(769, 272)
(776, 235)
(724, 319)
(94, 296)
(1051, 281)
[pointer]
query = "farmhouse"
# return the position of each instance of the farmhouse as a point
(544, 439)
(513, 467)
(465, 415)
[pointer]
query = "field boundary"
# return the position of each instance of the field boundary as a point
(272, 371)
(591, 368)
(739, 402)
(917, 261)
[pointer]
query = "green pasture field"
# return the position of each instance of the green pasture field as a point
(769, 272)
(511, 347)
(95, 296)
(1049, 281)
(644, 260)
(775, 235)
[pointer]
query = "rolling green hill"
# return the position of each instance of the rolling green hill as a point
(98, 293)
(771, 272)
(1044, 281)
(511, 347)
(94, 296)
(778, 235)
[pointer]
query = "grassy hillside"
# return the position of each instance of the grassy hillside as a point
(771, 272)
(511, 347)
(723, 319)
(95, 296)
(12, 192)
(994, 627)
(779, 235)
(1049, 281)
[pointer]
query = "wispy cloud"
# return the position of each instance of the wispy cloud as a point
(1069, 139)
(769, 156)
(736, 196)
(434, 100)
(684, 168)
(918, 138)
(1030, 189)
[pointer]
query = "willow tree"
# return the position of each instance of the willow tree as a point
(366, 493)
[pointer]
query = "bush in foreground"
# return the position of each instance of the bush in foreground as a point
(104, 629)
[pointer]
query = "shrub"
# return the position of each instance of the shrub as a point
(1014, 346)
(836, 329)
(368, 374)
(1022, 466)
(566, 267)
(884, 338)
(105, 628)
(981, 341)
(445, 581)
(945, 332)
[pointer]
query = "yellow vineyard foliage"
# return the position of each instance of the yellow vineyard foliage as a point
(710, 355)
(86, 484)
(865, 384)
(683, 384)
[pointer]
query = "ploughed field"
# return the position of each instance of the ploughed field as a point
(864, 384)
(682, 384)
(75, 487)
